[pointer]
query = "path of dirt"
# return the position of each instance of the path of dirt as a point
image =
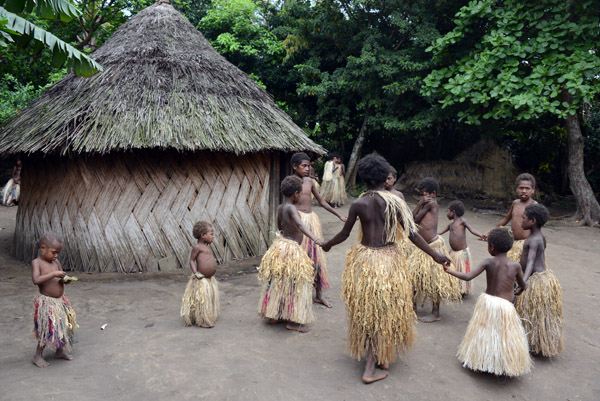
(147, 353)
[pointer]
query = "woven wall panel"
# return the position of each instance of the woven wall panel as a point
(124, 212)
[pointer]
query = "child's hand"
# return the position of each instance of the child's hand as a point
(343, 218)
(59, 274)
(326, 247)
(319, 242)
(199, 276)
(442, 259)
(484, 237)
(518, 290)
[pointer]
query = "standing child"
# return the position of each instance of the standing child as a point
(390, 181)
(200, 302)
(459, 250)
(301, 166)
(430, 283)
(495, 340)
(54, 320)
(286, 271)
(525, 190)
(540, 306)
(375, 285)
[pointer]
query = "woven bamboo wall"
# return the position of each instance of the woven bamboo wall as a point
(124, 212)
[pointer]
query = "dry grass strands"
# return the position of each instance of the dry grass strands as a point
(429, 279)
(462, 263)
(334, 191)
(378, 295)
(399, 218)
(495, 341)
(315, 252)
(540, 308)
(200, 302)
(515, 252)
(55, 322)
(287, 274)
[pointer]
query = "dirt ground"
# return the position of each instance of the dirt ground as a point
(145, 352)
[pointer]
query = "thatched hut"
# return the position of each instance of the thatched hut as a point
(122, 164)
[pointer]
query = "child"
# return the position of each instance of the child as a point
(200, 302)
(459, 253)
(429, 281)
(525, 189)
(54, 320)
(286, 271)
(495, 340)
(375, 284)
(301, 166)
(12, 189)
(390, 181)
(540, 306)
(340, 172)
(334, 186)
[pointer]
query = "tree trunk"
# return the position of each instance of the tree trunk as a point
(356, 150)
(588, 208)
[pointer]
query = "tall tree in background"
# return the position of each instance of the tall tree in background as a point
(513, 59)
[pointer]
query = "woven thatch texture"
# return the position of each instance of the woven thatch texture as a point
(163, 86)
(483, 168)
(125, 212)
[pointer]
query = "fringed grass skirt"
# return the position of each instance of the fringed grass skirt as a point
(378, 295)
(54, 322)
(495, 340)
(430, 281)
(517, 249)
(287, 274)
(540, 307)
(334, 191)
(462, 263)
(200, 302)
(315, 252)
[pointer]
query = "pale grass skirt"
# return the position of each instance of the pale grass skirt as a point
(315, 252)
(200, 302)
(515, 252)
(462, 263)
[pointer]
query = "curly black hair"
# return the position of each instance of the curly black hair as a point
(501, 239)
(373, 169)
(526, 177)
(49, 239)
(290, 185)
(200, 228)
(458, 207)
(429, 185)
(537, 212)
(298, 158)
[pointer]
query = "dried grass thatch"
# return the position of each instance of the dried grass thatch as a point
(483, 168)
(163, 86)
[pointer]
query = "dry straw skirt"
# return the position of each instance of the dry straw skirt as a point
(377, 291)
(54, 322)
(334, 191)
(200, 302)
(515, 252)
(540, 308)
(430, 281)
(287, 274)
(315, 252)
(495, 341)
(462, 263)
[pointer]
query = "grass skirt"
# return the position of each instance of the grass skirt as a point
(462, 263)
(315, 252)
(10, 192)
(287, 274)
(378, 295)
(515, 252)
(54, 322)
(334, 191)
(429, 279)
(540, 307)
(495, 340)
(200, 302)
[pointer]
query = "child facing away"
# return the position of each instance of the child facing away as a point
(286, 271)
(429, 281)
(301, 167)
(540, 306)
(54, 319)
(376, 285)
(525, 190)
(495, 340)
(459, 250)
(333, 187)
(200, 302)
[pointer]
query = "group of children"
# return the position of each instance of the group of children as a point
(394, 265)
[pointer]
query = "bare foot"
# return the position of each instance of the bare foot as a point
(383, 366)
(432, 317)
(206, 326)
(274, 321)
(297, 327)
(39, 361)
(377, 375)
(61, 354)
(322, 301)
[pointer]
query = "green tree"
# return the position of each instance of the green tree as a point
(520, 60)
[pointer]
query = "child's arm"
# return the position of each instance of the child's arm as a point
(521, 282)
(531, 255)
(345, 233)
(39, 278)
(445, 230)
(193, 258)
(426, 207)
(293, 215)
(473, 231)
(324, 204)
(470, 275)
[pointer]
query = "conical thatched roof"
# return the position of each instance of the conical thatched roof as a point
(163, 86)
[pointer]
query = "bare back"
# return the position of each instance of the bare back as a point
(52, 287)
(204, 260)
(287, 221)
(370, 210)
(501, 274)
